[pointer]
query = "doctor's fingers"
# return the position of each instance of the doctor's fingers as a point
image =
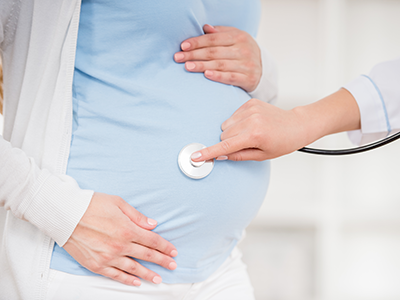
(223, 148)
(248, 154)
(242, 126)
(253, 110)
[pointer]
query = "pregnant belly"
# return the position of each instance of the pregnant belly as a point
(128, 146)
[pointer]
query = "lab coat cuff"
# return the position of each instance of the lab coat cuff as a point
(267, 88)
(374, 120)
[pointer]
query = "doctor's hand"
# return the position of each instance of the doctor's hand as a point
(224, 54)
(260, 131)
(110, 233)
(257, 131)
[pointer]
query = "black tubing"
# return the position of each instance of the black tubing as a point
(349, 151)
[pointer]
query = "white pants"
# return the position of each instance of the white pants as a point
(230, 281)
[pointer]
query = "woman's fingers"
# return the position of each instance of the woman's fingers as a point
(111, 229)
(210, 29)
(245, 81)
(121, 276)
(208, 40)
(135, 216)
(147, 254)
(217, 65)
(208, 54)
(215, 36)
(150, 240)
(140, 234)
(132, 267)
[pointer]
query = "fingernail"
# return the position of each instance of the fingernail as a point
(172, 266)
(185, 45)
(179, 56)
(137, 282)
(190, 65)
(222, 157)
(208, 73)
(210, 25)
(174, 253)
(157, 279)
(151, 222)
(195, 155)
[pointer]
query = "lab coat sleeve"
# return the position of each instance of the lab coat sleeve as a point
(378, 98)
(267, 89)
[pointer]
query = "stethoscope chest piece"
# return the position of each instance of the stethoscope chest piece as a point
(195, 170)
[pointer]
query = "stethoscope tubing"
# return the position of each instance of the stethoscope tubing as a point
(356, 150)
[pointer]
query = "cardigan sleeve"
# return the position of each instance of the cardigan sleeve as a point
(9, 10)
(267, 89)
(53, 203)
(378, 98)
(3, 18)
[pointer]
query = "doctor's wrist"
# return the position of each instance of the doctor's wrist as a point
(335, 113)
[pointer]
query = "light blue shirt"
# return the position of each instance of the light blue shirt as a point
(134, 109)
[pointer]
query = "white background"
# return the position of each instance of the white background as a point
(329, 228)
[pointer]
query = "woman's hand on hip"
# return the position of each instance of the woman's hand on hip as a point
(110, 233)
(224, 54)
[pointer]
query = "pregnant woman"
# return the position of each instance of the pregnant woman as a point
(133, 109)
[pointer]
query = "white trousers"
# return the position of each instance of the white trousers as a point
(230, 281)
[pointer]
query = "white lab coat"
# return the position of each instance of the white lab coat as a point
(378, 98)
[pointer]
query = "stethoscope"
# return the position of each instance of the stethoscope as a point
(355, 150)
(198, 170)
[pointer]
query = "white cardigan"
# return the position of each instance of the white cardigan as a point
(38, 41)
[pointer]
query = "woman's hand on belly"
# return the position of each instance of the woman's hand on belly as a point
(225, 54)
(110, 233)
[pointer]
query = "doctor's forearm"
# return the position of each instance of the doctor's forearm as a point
(335, 113)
